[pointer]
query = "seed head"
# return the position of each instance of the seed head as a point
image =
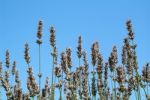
(120, 74)
(69, 60)
(94, 89)
(113, 59)
(106, 74)
(146, 73)
(52, 37)
(17, 76)
(122, 89)
(129, 28)
(7, 76)
(26, 54)
(100, 85)
(85, 59)
(14, 68)
(79, 48)
(7, 59)
(95, 52)
(100, 66)
(40, 32)
(55, 54)
(31, 83)
(64, 62)
(58, 71)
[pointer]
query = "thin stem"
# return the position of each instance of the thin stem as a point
(60, 96)
(52, 66)
(114, 74)
(39, 67)
(138, 87)
(32, 98)
(89, 87)
(139, 95)
(52, 87)
(111, 83)
(145, 93)
(136, 95)
(80, 90)
(93, 85)
(147, 88)
(62, 85)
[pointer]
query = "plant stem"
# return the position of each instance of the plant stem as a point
(136, 95)
(114, 74)
(62, 85)
(52, 65)
(147, 88)
(111, 83)
(80, 90)
(52, 87)
(32, 98)
(145, 93)
(60, 96)
(39, 66)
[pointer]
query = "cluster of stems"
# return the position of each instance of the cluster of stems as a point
(99, 80)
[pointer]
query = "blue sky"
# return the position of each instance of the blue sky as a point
(95, 20)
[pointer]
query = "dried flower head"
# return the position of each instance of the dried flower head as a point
(64, 62)
(17, 76)
(52, 36)
(131, 84)
(122, 88)
(58, 71)
(69, 60)
(31, 83)
(113, 59)
(95, 52)
(85, 59)
(85, 87)
(46, 90)
(129, 28)
(40, 32)
(14, 68)
(26, 54)
(120, 74)
(7, 59)
(59, 85)
(94, 89)
(146, 73)
(100, 66)
(79, 48)
(69, 76)
(55, 54)
(7, 76)
(100, 85)
(106, 74)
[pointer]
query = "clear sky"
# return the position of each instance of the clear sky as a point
(101, 20)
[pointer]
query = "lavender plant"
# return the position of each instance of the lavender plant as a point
(108, 80)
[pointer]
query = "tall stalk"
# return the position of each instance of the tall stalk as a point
(114, 74)
(54, 59)
(40, 74)
(39, 42)
(80, 79)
